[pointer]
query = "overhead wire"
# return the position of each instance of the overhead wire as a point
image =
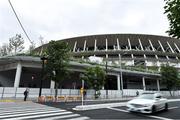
(20, 22)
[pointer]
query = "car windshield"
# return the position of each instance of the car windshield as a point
(146, 96)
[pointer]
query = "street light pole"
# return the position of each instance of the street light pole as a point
(82, 88)
(121, 73)
(106, 78)
(43, 59)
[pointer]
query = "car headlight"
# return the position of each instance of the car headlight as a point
(147, 105)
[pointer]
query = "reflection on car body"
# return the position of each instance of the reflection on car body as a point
(148, 103)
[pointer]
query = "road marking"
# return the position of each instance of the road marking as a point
(27, 110)
(79, 118)
(121, 110)
(30, 113)
(152, 116)
(58, 117)
(172, 108)
(35, 111)
(161, 118)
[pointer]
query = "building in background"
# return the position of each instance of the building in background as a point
(135, 58)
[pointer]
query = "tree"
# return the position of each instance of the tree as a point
(169, 77)
(58, 61)
(172, 9)
(16, 43)
(32, 47)
(4, 50)
(95, 76)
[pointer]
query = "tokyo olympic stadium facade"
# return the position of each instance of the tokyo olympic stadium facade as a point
(130, 60)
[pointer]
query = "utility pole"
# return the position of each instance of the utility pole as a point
(44, 60)
(106, 81)
(120, 65)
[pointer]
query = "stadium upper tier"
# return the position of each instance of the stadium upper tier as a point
(131, 49)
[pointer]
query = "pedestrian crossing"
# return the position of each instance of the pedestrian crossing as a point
(30, 110)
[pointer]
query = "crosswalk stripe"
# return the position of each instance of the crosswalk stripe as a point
(60, 117)
(38, 116)
(16, 115)
(5, 108)
(32, 111)
(79, 118)
(22, 110)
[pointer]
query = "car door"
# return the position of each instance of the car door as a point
(160, 102)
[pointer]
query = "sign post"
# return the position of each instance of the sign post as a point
(82, 91)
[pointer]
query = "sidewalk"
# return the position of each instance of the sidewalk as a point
(8, 100)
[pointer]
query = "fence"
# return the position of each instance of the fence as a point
(17, 93)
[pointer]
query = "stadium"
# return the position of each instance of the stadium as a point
(131, 61)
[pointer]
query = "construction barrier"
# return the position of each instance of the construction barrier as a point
(41, 99)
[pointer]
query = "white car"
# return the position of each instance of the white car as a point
(148, 103)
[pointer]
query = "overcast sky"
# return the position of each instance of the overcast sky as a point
(58, 19)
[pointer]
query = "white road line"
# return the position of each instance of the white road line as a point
(157, 117)
(19, 107)
(170, 108)
(16, 115)
(19, 110)
(161, 118)
(117, 109)
(36, 111)
(79, 118)
(56, 117)
(27, 111)
(37, 116)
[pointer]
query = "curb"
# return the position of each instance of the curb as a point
(99, 106)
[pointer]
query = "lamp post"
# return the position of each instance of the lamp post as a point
(82, 88)
(43, 59)
(106, 78)
(120, 65)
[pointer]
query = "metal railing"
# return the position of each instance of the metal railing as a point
(18, 93)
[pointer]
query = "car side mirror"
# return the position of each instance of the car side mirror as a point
(158, 98)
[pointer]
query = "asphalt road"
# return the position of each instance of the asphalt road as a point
(121, 112)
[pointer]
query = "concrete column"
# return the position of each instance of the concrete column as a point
(84, 46)
(118, 44)
(18, 75)
(158, 86)
(74, 49)
(144, 84)
(106, 44)
(95, 45)
(52, 86)
(118, 82)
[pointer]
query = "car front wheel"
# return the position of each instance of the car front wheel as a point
(153, 110)
(166, 107)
